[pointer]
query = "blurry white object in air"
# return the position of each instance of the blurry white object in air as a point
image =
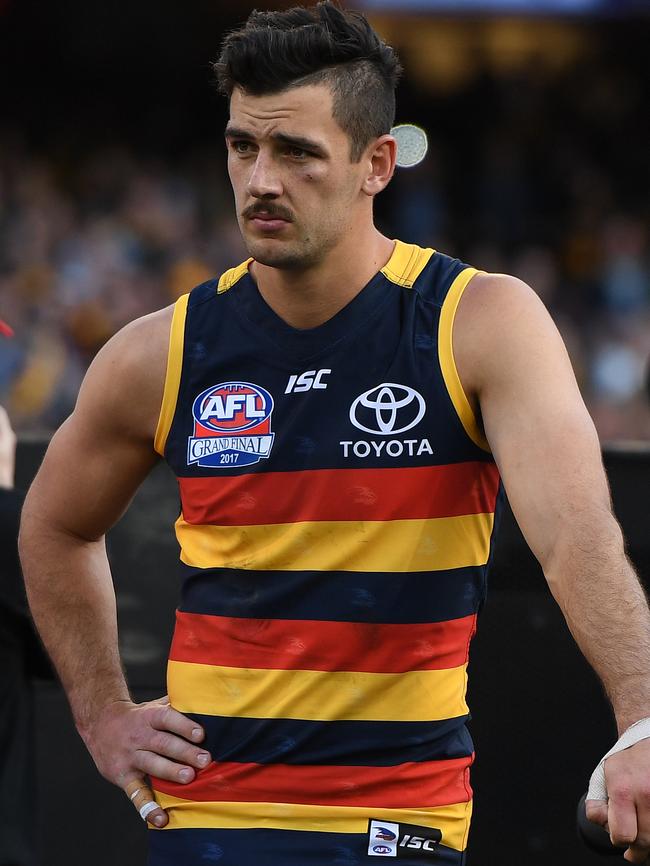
(412, 144)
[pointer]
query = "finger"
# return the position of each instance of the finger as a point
(165, 718)
(640, 849)
(621, 816)
(636, 855)
(171, 746)
(144, 800)
(596, 811)
(162, 768)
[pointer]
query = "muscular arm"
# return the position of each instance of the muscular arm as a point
(513, 363)
(93, 466)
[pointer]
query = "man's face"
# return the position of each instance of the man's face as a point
(296, 190)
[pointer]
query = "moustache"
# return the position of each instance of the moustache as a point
(268, 210)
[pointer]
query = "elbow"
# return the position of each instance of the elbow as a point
(44, 539)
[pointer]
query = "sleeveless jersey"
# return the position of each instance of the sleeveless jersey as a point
(338, 505)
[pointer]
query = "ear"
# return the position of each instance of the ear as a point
(380, 161)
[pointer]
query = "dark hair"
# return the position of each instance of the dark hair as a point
(275, 51)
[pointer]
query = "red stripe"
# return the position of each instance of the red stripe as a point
(321, 646)
(341, 494)
(406, 786)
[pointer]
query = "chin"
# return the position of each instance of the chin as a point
(276, 254)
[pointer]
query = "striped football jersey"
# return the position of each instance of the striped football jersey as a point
(338, 507)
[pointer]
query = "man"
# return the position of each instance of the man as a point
(335, 410)
(21, 659)
(17, 786)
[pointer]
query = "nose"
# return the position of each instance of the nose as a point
(264, 180)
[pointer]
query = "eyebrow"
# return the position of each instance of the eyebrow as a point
(282, 137)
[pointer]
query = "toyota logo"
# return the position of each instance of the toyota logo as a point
(380, 407)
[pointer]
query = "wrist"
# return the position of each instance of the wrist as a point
(625, 722)
(630, 701)
(628, 716)
(89, 717)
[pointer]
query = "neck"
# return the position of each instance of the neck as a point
(307, 298)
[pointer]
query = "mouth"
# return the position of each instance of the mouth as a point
(267, 221)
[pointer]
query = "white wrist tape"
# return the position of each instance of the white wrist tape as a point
(147, 809)
(638, 731)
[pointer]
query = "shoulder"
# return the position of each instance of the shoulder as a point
(141, 336)
(126, 379)
(500, 321)
(498, 295)
(136, 356)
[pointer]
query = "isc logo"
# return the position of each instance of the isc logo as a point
(307, 381)
(418, 842)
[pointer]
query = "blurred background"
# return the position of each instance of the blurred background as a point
(114, 199)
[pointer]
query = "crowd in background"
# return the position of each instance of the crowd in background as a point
(527, 173)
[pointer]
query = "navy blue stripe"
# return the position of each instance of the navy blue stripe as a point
(282, 339)
(435, 280)
(263, 847)
(396, 342)
(340, 596)
(339, 743)
(203, 292)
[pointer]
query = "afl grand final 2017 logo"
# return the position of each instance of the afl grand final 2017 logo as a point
(232, 426)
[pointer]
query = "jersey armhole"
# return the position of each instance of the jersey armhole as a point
(172, 375)
(448, 362)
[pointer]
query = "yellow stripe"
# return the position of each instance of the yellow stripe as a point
(448, 364)
(452, 821)
(404, 267)
(406, 264)
(254, 693)
(173, 374)
(356, 545)
(230, 277)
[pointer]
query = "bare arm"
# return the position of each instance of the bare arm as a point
(512, 360)
(93, 466)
